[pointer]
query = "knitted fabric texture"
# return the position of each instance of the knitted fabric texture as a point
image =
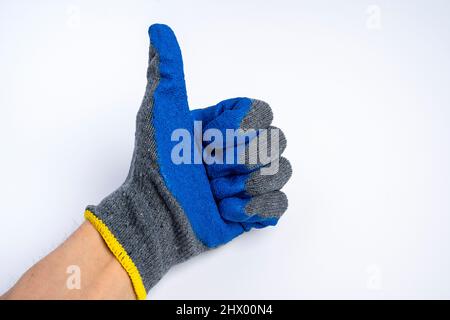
(165, 213)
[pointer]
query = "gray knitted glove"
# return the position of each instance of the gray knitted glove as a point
(165, 212)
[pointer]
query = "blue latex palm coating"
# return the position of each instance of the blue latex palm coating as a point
(227, 114)
(233, 209)
(230, 190)
(170, 112)
(229, 186)
(261, 224)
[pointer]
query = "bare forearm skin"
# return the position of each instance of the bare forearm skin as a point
(100, 274)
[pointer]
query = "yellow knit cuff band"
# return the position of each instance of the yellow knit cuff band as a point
(120, 253)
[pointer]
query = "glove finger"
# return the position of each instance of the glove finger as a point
(236, 113)
(255, 209)
(246, 158)
(259, 183)
(230, 186)
(260, 224)
(164, 108)
(251, 184)
(165, 71)
(268, 146)
(163, 113)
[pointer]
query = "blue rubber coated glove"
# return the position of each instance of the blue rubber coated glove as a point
(243, 193)
(164, 212)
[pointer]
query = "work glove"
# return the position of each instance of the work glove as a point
(246, 191)
(166, 212)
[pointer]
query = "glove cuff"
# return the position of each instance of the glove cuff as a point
(146, 231)
(120, 253)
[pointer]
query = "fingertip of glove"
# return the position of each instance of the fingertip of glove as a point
(158, 28)
(269, 205)
(259, 116)
(258, 183)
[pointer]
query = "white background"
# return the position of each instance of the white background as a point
(361, 89)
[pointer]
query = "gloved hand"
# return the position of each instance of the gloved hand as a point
(164, 213)
(243, 192)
